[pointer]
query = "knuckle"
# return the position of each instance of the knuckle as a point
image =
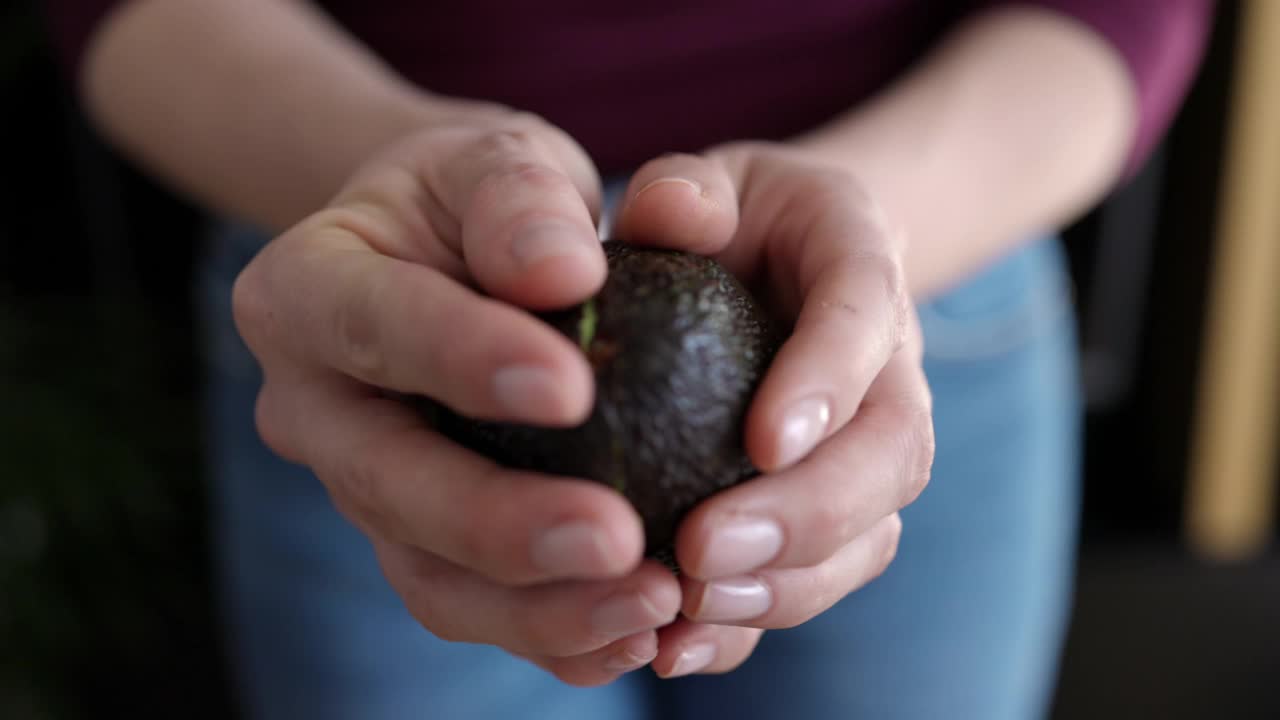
(840, 182)
(525, 174)
(511, 138)
(433, 614)
(840, 276)
(422, 591)
(847, 278)
(798, 614)
(682, 159)
(360, 482)
(823, 590)
(832, 584)
(919, 447)
(738, 158)
(380, 195)
(487, 532)
(828, 525)
(584, 681)
(444, 631)
(358, 336)
(738, 656)
(884, 266)
(530, 174)
(838, 190)
(517, 137)
(895, 286)
(893, 532)
(528, 122)
(357, 516)
(843, 189)
(249, 306)
(469, 547)
(549, 141)
(544, 630)
(928, 451)
(893, 535)
(271, 422)
(425, 611)
(571, 671)
(888, 548)
(475, 538)
(900, 311)
(536, 636)
(564, 672)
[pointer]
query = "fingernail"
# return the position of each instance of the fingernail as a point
(538, 241)
(733, 599)
(574, 549)
(740, 547)
(626, 661)
(671, 182)
(692, 659)
(626, 614)
(526, 391)
(802, 427)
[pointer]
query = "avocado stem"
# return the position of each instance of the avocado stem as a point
(587, 325)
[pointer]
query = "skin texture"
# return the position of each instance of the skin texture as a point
(403, 216)
(1017, 124)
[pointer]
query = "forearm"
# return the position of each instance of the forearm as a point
(1016, 124)
(256, 108)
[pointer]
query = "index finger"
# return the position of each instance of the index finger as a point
(321, 297)
(524, 224)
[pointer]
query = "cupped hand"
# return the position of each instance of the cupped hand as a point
(415, 280)
(841, 425)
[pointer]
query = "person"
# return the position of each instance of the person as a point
(396, 185)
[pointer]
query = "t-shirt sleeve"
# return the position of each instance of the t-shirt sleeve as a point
(1162, 44)
(71, 24)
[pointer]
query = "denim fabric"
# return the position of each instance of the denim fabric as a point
(967, 622)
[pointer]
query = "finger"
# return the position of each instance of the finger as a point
(575, 162)
(527, 231)
(683, 202)
(853, 318)
(321, 296)
(798, 517)
(772, 599)
(387, 472)
(687, 647)
(605, 665)
(549, 620)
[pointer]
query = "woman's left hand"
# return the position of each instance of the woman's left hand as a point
(841, 425)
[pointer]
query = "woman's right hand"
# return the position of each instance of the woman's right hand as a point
(415, 279)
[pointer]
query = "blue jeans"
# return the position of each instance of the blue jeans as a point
(966, 624)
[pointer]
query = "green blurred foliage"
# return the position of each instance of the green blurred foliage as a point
(103, 560)
(19, 36)
(106, 602)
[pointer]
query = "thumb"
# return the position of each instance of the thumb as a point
(682, 202)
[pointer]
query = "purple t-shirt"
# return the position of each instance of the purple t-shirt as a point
(630, 81)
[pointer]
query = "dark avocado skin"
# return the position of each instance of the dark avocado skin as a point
(679, 347)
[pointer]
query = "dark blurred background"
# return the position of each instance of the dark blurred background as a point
(105, 603)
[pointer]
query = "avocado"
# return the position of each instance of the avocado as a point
(678, 347)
